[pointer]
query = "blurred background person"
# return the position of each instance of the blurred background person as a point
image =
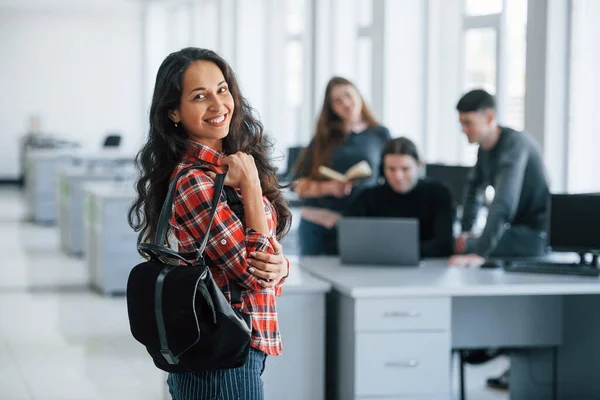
(346, 134)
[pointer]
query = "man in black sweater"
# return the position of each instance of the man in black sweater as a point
(510, 162)
(403, 195)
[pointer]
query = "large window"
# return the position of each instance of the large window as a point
(364, 53)
(584, 102)
(480, 59)
(494, 58)
(515, 47)
(294, 71)
(483, 7)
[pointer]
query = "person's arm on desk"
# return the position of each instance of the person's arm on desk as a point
(508, 185)
(509, 182)
(472, 203)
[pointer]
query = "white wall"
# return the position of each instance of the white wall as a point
(78, 69)
(251, 46)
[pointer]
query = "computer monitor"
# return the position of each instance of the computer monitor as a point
(292, 158)
(574, 223)
(455, 176)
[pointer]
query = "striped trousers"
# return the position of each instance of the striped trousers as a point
(243, 383)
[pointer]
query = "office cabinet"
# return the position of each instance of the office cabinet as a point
(70, 209)
(110, 243)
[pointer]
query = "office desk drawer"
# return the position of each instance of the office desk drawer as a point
(384, 315)
(391, 364)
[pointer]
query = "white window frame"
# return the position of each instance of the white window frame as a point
(497, 22)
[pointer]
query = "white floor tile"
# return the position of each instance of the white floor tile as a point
(12, 384)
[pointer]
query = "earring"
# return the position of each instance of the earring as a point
(175, 124)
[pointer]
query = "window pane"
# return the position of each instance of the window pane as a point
(483, 7)
(364, 63)
(293, 80)
(516, 30)
(480, 59)
(295, 16)
(480, 71)
(365, 13)
(584, 107)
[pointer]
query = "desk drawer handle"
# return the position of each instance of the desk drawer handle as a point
(402, 314)
(402, 364)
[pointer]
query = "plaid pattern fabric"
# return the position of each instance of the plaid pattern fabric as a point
(229, 243)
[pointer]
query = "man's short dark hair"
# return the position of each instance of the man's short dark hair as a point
(476, 100)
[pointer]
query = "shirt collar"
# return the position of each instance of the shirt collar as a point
(197, 151)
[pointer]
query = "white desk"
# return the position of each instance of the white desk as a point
(41, 178)
(70, 208)
(299, 373)
(391, 330)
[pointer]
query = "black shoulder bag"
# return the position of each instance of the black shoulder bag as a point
(177, 311)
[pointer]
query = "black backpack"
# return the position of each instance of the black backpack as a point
(177, 311)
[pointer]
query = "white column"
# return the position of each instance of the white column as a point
(309, 71)
(403, 69)
(546, 105)
(444, 66)
(323, 52)
(154, 37)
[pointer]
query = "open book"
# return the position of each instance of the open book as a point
(358, 171)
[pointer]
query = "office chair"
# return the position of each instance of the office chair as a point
(113, 140)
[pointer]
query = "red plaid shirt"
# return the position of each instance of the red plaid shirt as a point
(229, 244)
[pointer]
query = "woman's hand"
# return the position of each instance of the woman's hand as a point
(269, 268)
(241, 171)
(336, 189)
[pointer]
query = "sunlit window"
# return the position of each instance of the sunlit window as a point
(516, 43)
(483, 7)
(584, 107)
(480, 59)
(294, 61)
(481, 66)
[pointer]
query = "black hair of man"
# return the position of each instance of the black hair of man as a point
(476, 100)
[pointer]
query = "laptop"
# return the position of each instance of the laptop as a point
(379, 241)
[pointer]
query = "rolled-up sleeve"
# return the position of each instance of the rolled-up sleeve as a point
(229, 243)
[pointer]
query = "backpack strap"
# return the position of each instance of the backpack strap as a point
(191, 258)
(157, 246)
(235, 203)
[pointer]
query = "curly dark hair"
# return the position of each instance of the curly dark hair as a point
(167, 144)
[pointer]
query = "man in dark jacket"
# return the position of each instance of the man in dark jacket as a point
(512, 163)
